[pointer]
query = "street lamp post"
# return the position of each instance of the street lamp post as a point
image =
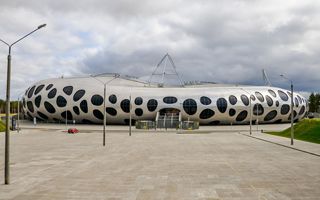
(7, 136)
(104, 104)
(291, 86)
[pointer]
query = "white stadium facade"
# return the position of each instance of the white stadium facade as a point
(81, 100)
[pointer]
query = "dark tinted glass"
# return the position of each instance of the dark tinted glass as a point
(205, 100)
(206, 114)
(232, 112)
(37, 101)
(269, 100)
(258, 109)
(125, 105)
(49, 107)
(242, 116)
(245, 100)
(139, 112)
(302, 110)
(43, 116)
(78, 95)
(61, 101)
(170, 100)
(152, 105)
(259, 96)
(113, 99)
(84, 106)
(272, 93)
(190, 106)
(52, 93)
(30, 106)
(68, 90)
(270, 116)
(222, 105)
(39, 88)
(49, 87)
(30, 93)
(111, 111)
(296, 102)
(97, 100)
(285, 108)
(283, 95)
(232, 99)
(253, 98)
(98, 114)
(67, 115)
(138, 101)
(76, 110)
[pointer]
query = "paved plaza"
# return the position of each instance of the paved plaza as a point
(213, 163)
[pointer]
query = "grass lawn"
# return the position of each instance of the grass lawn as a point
(307, 130)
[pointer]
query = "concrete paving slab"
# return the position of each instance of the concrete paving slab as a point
(51, 164)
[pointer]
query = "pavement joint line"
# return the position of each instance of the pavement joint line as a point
(308, 152)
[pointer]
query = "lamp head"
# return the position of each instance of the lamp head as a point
(41, 26)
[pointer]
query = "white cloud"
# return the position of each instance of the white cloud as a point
(222, 41)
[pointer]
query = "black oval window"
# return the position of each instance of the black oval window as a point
(206, 114)
(170, 100)
(233, 99)
(98, 114)
(84, 106)
(302, 110)
(138, 101)
(139, 112)
(39, 88)
(269, 100)
(242, 116)
(277, 103)
(43, 116)
(97, 100)
(253, 98)
(222, 105)
(61, 101)
(285, 109)
(111, 111)
(37, 101)
(232, 112)
(113, 99)
(52, 93)
(30, 106)
(49, 107)
(205, 100)
(125, 105)
(245, 100)
(152, 105)
(259, 96)
(190, 106)
(76, 110)
(270, 116)
(78, 95)
(49, 86)
(272, 93)
(258, 109)
(67, 115)
(296, 101)
(68, 90)
(283, 95)
(30, 93)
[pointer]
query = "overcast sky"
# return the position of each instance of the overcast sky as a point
(226, 41)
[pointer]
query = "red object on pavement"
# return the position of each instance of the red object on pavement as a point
(73, 130)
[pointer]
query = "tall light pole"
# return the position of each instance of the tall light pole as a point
(291, 86)
(7, 136)
(104, 104)
(250, 109)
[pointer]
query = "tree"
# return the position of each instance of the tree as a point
(314, 102)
